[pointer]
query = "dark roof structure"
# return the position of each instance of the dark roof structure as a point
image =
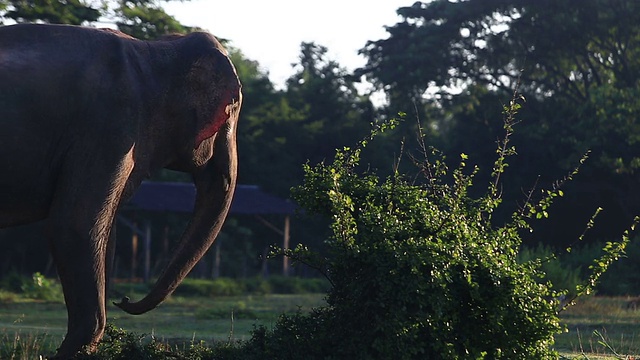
(180, 197)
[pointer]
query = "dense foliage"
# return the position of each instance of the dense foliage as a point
(143, 19)
(576, 65)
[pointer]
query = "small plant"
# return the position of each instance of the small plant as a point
(25, 346)
(41, 288)
(119, 344)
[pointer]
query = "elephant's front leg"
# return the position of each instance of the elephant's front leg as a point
(81, 220)
(80, 262)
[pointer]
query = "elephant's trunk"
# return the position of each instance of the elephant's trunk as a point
(215, 184)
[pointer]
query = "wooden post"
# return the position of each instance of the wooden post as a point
(285, 245)
(165, 245)
(147, 252)
(216, 260)
(134, 253)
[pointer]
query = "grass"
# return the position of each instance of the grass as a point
(601, 326)
(597, 327)
(37, 325)
(211, 319)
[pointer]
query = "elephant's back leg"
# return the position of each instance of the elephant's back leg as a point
(79, 227)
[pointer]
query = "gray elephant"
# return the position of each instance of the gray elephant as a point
(86, 115)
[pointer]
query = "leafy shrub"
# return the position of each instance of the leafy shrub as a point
(211, 288)
(121, 345)
(292, 285)
(255, 286)
(298, 336)
(36, 287)
(419, 271)
(41, 288)
(295, 285)
(315, 285)
(285, 285)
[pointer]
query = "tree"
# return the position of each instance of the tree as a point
(577, 66)
(75, 12)
(145, 19)
(318, 112)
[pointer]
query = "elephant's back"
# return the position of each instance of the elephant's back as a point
(45, 47)
(59, 70)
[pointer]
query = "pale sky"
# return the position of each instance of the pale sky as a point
(270, 32)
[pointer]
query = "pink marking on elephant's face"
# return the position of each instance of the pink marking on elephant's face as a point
(220, 117)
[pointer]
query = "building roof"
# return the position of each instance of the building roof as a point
(180, 197)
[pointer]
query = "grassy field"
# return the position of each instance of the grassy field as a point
(597, 328)
(178, 321)
(602, 326)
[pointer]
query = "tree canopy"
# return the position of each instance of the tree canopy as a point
(576, 66)
(143, 19)
(75, 12)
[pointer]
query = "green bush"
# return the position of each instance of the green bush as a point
(121, 345)
(41, 288)
(36, 287)
(210, 288)
(254, 286)
(419, 271)
(299, 336)
(257, 286)
(284, 285)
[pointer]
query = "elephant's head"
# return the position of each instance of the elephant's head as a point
(213, 98)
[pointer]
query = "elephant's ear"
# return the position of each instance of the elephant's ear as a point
(219, 118)
(216, 88)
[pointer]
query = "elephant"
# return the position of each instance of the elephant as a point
(86, 115)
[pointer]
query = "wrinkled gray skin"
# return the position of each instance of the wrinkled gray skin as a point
(85, 116)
